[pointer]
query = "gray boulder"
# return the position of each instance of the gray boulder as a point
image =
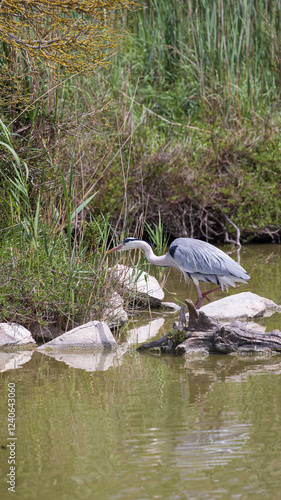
(144, 285)
(14, 334)
(92, 334)
(241, 305)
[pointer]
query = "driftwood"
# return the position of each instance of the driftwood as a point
(205, 335)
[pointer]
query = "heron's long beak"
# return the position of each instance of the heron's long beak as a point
(114, 249)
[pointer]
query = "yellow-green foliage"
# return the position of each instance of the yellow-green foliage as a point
(62, 37)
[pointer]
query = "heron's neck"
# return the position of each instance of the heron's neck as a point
(162, 260)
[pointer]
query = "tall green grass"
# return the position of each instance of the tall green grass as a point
(52, 270)
(223, 55)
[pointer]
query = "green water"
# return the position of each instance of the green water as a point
(134, 426)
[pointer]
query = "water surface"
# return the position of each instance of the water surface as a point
(134, 426)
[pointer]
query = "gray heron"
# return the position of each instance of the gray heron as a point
(196, 259)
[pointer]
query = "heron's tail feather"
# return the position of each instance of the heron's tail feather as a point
(226, 281)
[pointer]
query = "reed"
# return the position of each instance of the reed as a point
(222, 54)
(51, 272)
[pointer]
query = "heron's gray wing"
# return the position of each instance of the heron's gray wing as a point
(196, 256)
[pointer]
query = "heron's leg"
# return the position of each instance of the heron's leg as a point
(203, 295)
(209, 291)
(199, 301)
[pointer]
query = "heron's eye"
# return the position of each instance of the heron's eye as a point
(127, 240)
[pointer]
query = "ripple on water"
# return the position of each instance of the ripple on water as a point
(206, 449)
(190, 450)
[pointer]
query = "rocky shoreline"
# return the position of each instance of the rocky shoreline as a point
(97, 335)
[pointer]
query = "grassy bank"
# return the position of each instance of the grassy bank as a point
(203, 78)
(51, 275)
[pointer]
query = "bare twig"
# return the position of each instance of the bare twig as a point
(237, 241)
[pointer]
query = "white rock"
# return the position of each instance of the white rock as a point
(241, 305)
(14, 334)
(13, 360)
(93, 334)
(115, 315)
(170, 306)
(143, 284)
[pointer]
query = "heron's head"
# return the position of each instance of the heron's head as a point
(127, 244)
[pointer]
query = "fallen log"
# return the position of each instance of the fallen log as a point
(205, 335)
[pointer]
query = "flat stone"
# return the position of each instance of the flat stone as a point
(143, 284)
(241, 305)
(14, 334)
(92, 334)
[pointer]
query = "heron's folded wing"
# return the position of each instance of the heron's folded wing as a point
(196, 256)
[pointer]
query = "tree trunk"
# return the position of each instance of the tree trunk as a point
(205, 335)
